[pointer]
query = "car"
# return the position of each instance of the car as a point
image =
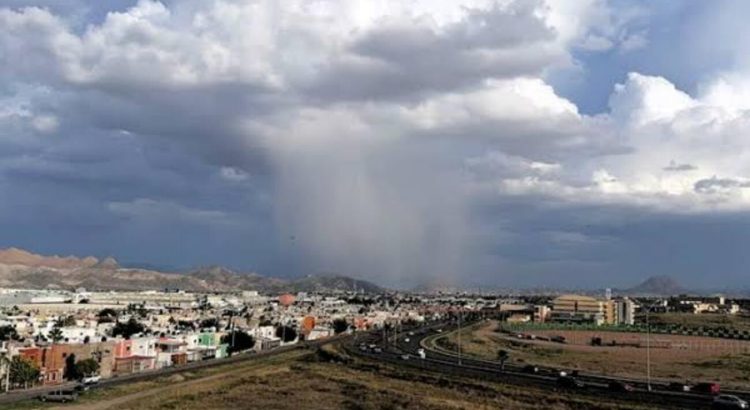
(676, 386)
(530, 368)
(405, 357)
(569, 382)
(708, 388)
(60, 396)
(377, 350)
(439, 330)
(407, 340)
(619, 386)
(93, 379)
(728, 401)
(411, 333)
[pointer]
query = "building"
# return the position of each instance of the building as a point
(57, 356)
(541, 313)
(135, 355)
(582, 309)
(625, 311)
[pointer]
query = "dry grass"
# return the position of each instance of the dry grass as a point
(704, 320)
(697, 359)
(302, 380)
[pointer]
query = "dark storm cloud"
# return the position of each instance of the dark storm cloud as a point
(415, 142)
(715, 184)
(408, 58)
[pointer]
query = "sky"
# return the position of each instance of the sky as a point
(585, 143)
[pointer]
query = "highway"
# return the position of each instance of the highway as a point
(546, 378)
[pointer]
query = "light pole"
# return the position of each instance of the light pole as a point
(460, 313)
(648, 345)
(648, 349)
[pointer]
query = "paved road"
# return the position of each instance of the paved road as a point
(21, 395)
(546, 379)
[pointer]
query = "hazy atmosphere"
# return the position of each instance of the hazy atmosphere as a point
(493, 143)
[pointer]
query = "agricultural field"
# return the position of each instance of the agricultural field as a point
(673, 357)
(315, 380)
(708, 321)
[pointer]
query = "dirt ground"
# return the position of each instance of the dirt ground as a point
(673, 357)
(303, 380)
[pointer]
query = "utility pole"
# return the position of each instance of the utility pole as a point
(460, 313)
(6, 360)
(231, 318)
(648, 348)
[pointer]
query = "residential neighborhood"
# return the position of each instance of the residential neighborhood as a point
(50, 337)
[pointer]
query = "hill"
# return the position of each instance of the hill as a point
(23, 269)
(657, 285)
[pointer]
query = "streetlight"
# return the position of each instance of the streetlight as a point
(648, 345)
(648, 349)
(460, 313)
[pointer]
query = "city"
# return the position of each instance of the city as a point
(374, 204)
(59, 344)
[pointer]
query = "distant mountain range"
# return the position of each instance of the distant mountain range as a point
(23, 269)
(657, 286)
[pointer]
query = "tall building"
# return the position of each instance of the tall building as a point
(625, 311)
(582, 309)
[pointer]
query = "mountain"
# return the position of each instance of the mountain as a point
(657, 285)
(23, 269)
(15, 256)
(328, 282)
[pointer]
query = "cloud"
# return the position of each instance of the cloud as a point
(400, 140)
(673, 166)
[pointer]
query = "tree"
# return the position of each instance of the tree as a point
(55, 334)
(87, 367)
(210, 322)
(242, 341)
(286, 333)
(66, 321)
(8, 332)
(137, 309)
(23, 371)
(502, 356)
(340, 326)
(107, 315)
(71, 371)
(127, 329)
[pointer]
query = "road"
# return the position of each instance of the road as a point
(21, 395)
(546, 378)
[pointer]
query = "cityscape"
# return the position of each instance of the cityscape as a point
(374, 205)
(58, 344)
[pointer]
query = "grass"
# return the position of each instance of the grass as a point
(326, 380)
(704, 320)
(484, 341)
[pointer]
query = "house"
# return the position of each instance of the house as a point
(135, 355)
(264, 343)
(319, 332)
(56, 356)
(171, 352)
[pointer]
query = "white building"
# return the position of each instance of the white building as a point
(625, 311)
